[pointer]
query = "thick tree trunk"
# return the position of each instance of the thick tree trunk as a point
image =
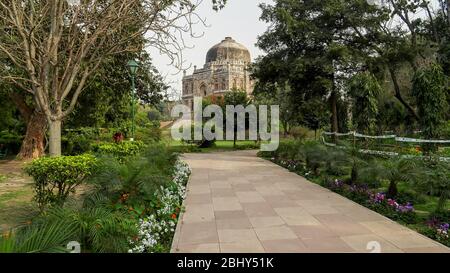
(55, 138)
(398, 95)
(33, 143)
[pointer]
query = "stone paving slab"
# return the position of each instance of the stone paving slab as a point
(239, 203)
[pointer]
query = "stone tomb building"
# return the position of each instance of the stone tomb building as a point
(225, 69)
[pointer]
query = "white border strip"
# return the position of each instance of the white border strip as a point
(375, 152)
(398, 139)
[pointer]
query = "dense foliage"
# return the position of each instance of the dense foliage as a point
(122, 150)
(56, 178)
(340, 52)
(129, 205)
(429, 90)
(364, 90)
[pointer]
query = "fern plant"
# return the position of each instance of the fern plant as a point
(47, 237)
(97, 228)
(133, 180)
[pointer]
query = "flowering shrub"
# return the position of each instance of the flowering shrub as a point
(153, 235)
(336, 185)
(442, 231)
(118, 137)
(415, 151)
(292, 165)
(156, 230)
(374, 200)
(392, 209)
(378, 198)
(438, 230)
(324, 166)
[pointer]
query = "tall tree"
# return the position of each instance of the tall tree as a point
(106, 101)
(60, 44)
(312, 44)
(274, 94)
(364, 90)
(314, 115)
(235, 98)
(35, 122)
(429, 91)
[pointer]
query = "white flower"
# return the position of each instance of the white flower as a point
(151, 230)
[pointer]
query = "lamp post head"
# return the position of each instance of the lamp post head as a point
(133, 67)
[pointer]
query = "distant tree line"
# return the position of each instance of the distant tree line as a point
(371, 66)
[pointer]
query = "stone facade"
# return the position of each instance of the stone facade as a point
(225, 69)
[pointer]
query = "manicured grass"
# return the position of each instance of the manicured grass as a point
(429, 205)
(228, 146)
(219, 146)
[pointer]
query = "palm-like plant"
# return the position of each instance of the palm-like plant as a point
(335, 161)
(370, 173)
(98, 228)
(357, 163)
(48, 237)
(315, 156)
(397, 170)
(136, 179)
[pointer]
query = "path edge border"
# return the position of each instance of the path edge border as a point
(176, 236)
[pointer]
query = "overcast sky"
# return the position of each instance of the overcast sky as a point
(239, 19)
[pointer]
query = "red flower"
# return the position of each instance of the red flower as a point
(124, 197)
(118, 137)
(174, 216)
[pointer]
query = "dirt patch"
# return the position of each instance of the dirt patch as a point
(165, 124)
(16, 194)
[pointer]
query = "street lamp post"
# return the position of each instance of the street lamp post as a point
(133, 67)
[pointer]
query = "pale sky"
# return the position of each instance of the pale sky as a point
(239, 19)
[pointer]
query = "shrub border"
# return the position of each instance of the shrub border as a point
(177, 234)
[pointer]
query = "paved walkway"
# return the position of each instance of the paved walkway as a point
(237, 202)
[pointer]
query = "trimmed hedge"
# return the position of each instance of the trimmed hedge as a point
(55, 178)
(122, 150)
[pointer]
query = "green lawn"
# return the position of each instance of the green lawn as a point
(219, 146)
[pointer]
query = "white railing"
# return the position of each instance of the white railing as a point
(385, 153)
